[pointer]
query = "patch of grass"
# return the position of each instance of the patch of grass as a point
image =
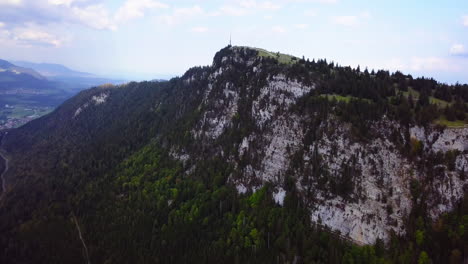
(433, 100)
(21, 111)
(341, 98)
(411, 91)
(282, 58)
(452, 124)
(440, 103)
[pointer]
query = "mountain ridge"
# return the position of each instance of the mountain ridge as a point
(224, 155)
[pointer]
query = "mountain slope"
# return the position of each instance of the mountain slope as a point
(247, 160)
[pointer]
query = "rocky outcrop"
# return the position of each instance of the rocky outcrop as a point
(361, 188)
(442, 139)
(96, 100)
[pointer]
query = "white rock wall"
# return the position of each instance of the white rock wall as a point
(381, 199)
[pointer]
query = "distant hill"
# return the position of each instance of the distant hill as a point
(15, 79)
(6, 66)
(44, 84)
(11, 80)
(53, 70)
(68, 79)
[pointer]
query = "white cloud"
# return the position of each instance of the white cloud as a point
(346, 20)
(181, 14)
(11, 2)
(54, 12)
(31, 36)
(431, 64)
(247, 7)
(394, 64)
(301, 26)
(365, 15)
(17, 16)
(314, 1)
(278, 29)
(351, 21)
(266, 5)
(232, 11)
(326, 1)
(458, 49)
(310, 13)
(61, 2)
(423, 64)
(95, 16)
(252, 4)
(5, 36)
(247, 3)
(90, 13)
(465, 21)
(132, 9)
(199, 29)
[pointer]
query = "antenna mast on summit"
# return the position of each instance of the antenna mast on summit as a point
(230, 39)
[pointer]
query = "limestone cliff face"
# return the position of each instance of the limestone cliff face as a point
(447, 186)
(362, 188)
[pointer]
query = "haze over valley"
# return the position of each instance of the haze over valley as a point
(31, 90)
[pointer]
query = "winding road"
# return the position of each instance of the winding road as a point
(2, 176)
(81, 238)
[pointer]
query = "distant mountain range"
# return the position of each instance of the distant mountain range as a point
(67, 78)
(28, 77)
(6, 66)
(51, 70)
(15, 79)
(43, 84)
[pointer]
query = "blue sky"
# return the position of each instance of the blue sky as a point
(144, 39)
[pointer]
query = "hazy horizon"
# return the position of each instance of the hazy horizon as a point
(147, 39)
